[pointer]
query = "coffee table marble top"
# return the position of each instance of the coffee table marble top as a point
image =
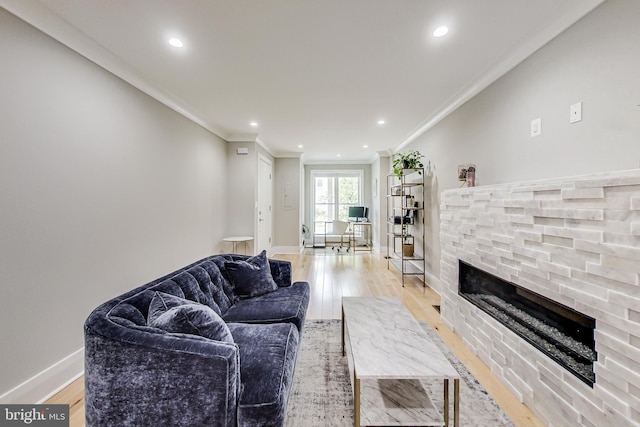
(389, 355)
(388, 343)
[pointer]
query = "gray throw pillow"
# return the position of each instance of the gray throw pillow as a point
(178, 315)
(251, 277)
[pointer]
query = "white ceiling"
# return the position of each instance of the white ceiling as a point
(317, 73)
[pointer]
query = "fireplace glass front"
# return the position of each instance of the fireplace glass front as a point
(560, 332)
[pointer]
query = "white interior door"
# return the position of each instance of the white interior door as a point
(265, 173)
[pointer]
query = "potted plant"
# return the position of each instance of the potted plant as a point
(410, 160)
(407, 242)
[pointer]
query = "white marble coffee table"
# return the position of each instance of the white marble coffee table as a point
(389, 354)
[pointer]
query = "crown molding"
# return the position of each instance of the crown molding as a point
(289, 155)
(261, 142)
(529, 45)
(43, 19)
(251, 137)
(242, 137)
(338, 162)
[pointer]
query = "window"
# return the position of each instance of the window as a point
(334, 192)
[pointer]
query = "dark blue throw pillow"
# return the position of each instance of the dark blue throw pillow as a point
(177, 315)
(251, 277)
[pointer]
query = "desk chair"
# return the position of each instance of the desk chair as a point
(340, 228)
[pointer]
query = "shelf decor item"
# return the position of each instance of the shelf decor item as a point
(467, 174)
(407, 250)
(407, 242)
(471, 176)
(410, 160)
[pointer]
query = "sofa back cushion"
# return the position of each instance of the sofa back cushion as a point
(179, 315)
(194, 289)
(167, 286)
(221, 289)
(126, 314)
(207, 282)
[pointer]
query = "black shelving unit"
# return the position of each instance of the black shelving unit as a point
(405, 211)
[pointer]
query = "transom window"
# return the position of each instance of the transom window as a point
(334, 192)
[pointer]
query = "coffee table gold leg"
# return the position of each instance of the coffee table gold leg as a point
(343, 352)
(456, 403)
(446, 403)
(356, 400)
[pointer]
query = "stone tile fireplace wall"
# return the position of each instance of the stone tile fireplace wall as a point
(576, 241)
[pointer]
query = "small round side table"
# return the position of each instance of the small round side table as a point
(237, 239)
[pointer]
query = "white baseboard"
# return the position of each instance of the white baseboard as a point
(45, 384)
(434, 283)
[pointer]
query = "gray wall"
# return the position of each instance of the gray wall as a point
(380, 168)
(242, 184)
(286, 210)
(102, 188)
(308, 182)
(241, 202)
(596, 61)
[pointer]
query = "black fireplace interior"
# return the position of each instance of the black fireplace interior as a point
(560, 332)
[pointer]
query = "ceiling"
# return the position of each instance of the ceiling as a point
(313, 73)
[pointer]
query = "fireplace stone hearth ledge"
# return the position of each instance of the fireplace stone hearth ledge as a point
(573, 240)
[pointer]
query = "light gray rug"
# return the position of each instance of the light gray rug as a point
(321, 391)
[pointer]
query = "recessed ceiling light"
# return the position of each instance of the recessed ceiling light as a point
(337, 155)
(380, 122)
(300, 146)
(176, 42)
(365, 146)
(440, 31)
(254, 124)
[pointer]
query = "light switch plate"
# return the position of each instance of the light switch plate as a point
(575, 112)
(536, 127)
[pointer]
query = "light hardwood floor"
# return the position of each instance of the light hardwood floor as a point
(333, 276)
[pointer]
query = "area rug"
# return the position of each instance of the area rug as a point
(321, 390)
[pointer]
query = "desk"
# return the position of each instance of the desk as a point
(322, 229)
(358, 232)
(364, 231)
(237, 239)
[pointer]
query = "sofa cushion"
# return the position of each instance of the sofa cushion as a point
(220, 286)
(127, 314)
(168, 287)
(196, 286)
(177, 315)
(227, 286)
(161, 302)
(282, 305)
(267, 356)
(251, 277)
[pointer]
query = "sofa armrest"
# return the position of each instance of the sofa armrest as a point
(145, 378)
(281, 272)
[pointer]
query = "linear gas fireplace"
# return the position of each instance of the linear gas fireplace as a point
(560, 332)
(575, 241)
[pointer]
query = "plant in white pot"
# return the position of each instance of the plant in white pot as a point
(409, 160)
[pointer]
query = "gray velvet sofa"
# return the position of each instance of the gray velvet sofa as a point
(157, 356)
